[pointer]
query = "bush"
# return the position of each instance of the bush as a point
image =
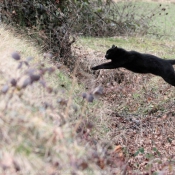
(43, 20)
(100, 18)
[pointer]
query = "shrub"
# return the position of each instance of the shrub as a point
(43, 20)
(100, 18)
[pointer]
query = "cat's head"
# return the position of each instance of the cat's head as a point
(113, 53)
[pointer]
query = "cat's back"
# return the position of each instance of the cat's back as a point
(144, 56)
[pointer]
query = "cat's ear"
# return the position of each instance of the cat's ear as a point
(113, 46)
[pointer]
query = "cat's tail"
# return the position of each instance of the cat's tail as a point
(171, 61)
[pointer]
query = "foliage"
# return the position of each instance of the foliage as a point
(100, 18)
(44, 21)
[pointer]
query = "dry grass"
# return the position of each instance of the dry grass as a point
(49, 130)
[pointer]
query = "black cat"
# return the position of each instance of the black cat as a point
(139, 63)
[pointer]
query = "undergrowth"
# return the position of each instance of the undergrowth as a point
(48, 123)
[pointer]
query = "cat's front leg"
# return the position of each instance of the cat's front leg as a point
(109, 65)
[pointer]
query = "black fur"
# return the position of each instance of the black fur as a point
(139, 63)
